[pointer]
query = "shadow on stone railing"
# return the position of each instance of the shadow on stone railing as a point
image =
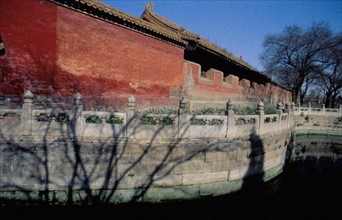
(75, 156)
(138, 125)
(300, 110)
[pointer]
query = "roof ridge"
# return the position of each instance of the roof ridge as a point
(223, 51)
(125, 17)
(154, 18)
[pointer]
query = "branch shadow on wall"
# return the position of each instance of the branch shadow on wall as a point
(88, 171)
(96, 171)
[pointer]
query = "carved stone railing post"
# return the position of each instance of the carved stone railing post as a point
(287, 107)
(280, 108)
(309, 109)
(340, 111)
(293, 105)
(261, 114)
(183, 123)
(76, 121)
(230, 118)
(130, 124)
(291, 114)
(26, 114)
(323, 109)
(288, 112)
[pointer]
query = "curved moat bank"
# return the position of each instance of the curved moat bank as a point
(89, 157)
(308, 188)
(190, 169)
(97, 157)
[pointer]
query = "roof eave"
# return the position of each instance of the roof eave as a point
(234, 62)
(114, 16)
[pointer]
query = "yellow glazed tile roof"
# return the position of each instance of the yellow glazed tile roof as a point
(95, 8)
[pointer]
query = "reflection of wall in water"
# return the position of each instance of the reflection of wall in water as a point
(319, 147)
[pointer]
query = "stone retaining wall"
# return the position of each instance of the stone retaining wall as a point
(70, 157)
(122, 171)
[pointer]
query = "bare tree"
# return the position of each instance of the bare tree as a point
(309, 82)
(329, 71)
(290, 57)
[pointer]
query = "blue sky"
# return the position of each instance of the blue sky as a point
(240, 26)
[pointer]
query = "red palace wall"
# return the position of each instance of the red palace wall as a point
(28, 29)
(52, 50)
(214, 86)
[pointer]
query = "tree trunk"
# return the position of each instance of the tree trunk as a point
(328, 99)
(295, 95)
(301, 98)
(333, 100)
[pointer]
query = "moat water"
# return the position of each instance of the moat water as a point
(308, 189)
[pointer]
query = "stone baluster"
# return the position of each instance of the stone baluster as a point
(131, 116)
(340, 111)
(76, 121)
(323, 109)
(230, 118)
(261, 114)
(287, 107)
(183, 123)
(309, 109)
(291, 115)
(182, 106)
(280, 108)
(26, 114)
(288, 112)
(293, 105)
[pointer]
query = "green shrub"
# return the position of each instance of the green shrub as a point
(215, 122)
(166, 121)
(158, 111)
(60, 117)
(245, 111)
(114, 120)
(148, 121)
(270, 110)
(93, 119)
